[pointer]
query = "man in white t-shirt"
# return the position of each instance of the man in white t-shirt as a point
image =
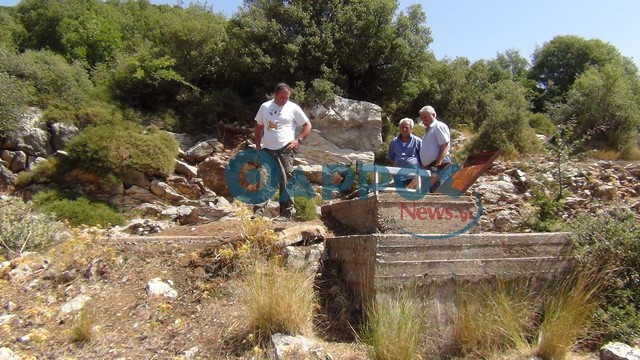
(435, 142)
(276, 123)
(434, 153)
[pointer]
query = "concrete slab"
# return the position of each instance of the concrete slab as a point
(393, 213)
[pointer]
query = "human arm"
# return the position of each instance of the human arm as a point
(442, 153)
(257, 136)
(304, 132)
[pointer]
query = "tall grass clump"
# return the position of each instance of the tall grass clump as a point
(22, 228)
(493, 318)
(83, 327)
(610, 244)
(567, 312)
(395, 326)
(279, 300)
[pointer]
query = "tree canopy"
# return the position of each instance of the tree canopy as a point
(187, 68)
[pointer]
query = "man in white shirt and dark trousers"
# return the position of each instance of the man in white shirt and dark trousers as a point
(434, 153)
(276, 123)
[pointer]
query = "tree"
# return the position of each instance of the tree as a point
(558, 63)
(507, 121)
(358, 45)
(606, 105)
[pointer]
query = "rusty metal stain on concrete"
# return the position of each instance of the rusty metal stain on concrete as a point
(473, 167)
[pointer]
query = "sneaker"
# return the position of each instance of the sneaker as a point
(281, 218)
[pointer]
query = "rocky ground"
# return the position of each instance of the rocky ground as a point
(110, 280)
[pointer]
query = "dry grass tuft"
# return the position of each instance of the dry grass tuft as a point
(495, 317)
(568, 312)
(394, 327)
(279, 300)
(82, 329)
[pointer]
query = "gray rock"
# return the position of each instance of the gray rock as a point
(618, 351)
(61, 133)
(158, 287)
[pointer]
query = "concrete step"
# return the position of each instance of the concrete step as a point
(471, 246)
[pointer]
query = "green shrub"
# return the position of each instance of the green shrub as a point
(14, 96)
(610, 243)
(112, 150)
(306, 208)
(40, 173)
(92, 113)
(322, 91)
(77, 210)
(547, 216)
(542, 124)
(22, 228)
(54, 79)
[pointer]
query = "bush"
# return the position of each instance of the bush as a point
(610, 244)
(548, 212)
(494, 318)
(92, 113)
(542, 124)
(53, 78)
(306, 208)
(22, 228)
(14, 97)
(41, 173)
(113, 150)
(78, 210)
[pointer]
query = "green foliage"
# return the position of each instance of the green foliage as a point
(114, 149)
(507, 124)
(14, 97)
(92, 37)
(559, 62)
(605, 103)
(305, 208)
(22, 228)
(395, 326)
(10, 30)
(143, 78)
(53, 79)
(541, 124)
(610, 244)
(77, 210)
(41, 173)
(91, 113)
(361, 48)
(549, 206)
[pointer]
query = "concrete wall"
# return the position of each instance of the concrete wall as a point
(391, 213)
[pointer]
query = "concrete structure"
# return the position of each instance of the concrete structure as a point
(392, 213)
(429, 246)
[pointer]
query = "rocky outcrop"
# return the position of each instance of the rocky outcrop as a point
(345, 131)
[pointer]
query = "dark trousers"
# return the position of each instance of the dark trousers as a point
(284, 160)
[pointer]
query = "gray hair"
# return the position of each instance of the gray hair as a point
(428, 109)
(406, 121)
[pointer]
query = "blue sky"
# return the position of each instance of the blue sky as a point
(481, 29)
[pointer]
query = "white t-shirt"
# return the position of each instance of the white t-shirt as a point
(434, 136)
(280, 123)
